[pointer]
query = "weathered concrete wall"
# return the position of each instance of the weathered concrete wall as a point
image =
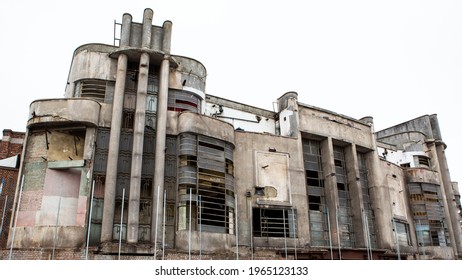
(419, 129)
(422, 175)
(91, 61)
(251, 149)
(399, 204)
(200, 124)
(76, 110)
(321, 122)
(190, 75)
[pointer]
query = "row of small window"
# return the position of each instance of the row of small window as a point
(103, 91)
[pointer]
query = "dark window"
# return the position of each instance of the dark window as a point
(274, 222)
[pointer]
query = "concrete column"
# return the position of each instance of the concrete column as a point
(330, 186)
(147, 28)
(159, 164)
(137, 151)
(138, 131)
(380, 200)
(452, 219)
(125, 32)
(354, 185)
(113, 154)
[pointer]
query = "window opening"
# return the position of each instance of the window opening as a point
(345, 220)
(367, 205)
(205, 172)
(274, 223)
(428, 210)
(316, 194)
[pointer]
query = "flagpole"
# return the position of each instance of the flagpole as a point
(200, 227)
(285, 237)
(163, 229)
(57, 223)
(3, 215)
(89, 218)
(338, 234)
(294, 221)
(190, 222)
(16, 217)
(121, 220)
(237, 229)
(157, 220)
(330, 237)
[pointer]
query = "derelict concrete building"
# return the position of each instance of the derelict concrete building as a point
(138, 161)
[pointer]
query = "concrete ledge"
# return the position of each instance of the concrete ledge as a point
(78, 110)
(65, 164)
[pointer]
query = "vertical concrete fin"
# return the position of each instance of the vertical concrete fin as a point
(167, 38)
(147, 28)
(125, 32)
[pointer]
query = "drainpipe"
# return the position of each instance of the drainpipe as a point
(114, 137)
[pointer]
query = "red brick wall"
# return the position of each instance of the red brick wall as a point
(10, 145)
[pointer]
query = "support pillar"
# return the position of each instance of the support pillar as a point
(114, 137)
(380, 200)
(137, 152)
(357, 202)
(159, 164)
(138, 132)
(452, 220)
(330, 186)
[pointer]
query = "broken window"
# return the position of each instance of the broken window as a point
(367, 204)
(274, 222)
(428, 211)
(206, 184)
(421, 161)
(402, 233)
(179, 100)
(99, 90)
(316, 193)
(345, 219)
(97, 209)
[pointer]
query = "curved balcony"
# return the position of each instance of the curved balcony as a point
(204, 125)
(64, 111)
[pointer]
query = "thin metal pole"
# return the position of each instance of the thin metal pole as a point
(157, 216)
(163, 222)
(3, 215)
(294, 233)
(396, 232)
(285, 239)
(16, 218)
(421, 239)
(251, 228)
(190, 222)
(366, 232)
(200, 227)
(89, 218)
(121, 221)
(338, 234)
(237, 229)
(56, 227)
(330, 237)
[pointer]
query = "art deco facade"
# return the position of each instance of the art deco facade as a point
(137, 160)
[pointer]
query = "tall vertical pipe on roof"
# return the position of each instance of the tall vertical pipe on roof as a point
(114, 137)
(138, 132)
(159, 165)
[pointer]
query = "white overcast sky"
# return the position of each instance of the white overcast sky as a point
(393, 60)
